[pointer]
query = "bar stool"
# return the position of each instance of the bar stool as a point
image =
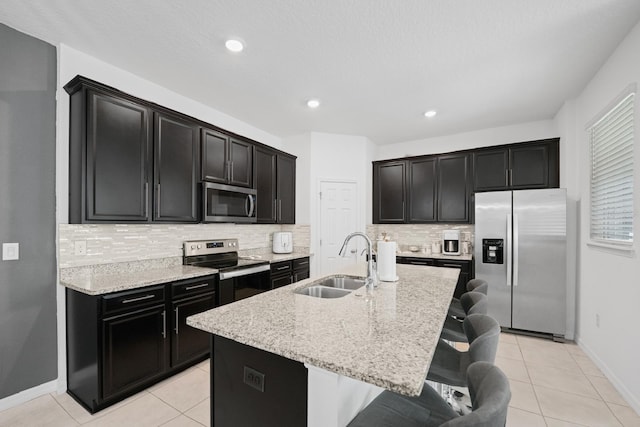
(490, 394)
(449, 365)
(472, 303)
(473, 285)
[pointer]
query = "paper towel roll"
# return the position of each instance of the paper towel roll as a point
(387, 261)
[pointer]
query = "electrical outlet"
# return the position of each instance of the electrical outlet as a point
(10, 251)
(80, 247)
(597, 320)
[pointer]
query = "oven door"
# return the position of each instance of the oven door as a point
(226, 203)
(243, 283)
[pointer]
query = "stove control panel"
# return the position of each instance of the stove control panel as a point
(206, 247)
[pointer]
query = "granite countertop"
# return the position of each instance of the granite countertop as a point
(420, 254)
(267, 255)
(386, 337)
(106, 278)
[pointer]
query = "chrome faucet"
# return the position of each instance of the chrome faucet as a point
(371, 269)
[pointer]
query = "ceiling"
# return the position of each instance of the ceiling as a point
(376, 65)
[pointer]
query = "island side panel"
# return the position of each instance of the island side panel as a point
(254, 387)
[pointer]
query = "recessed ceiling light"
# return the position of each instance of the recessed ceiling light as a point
(313, 103)
(430, 113)
(234, 45)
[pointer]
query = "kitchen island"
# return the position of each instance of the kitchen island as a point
(334, 354)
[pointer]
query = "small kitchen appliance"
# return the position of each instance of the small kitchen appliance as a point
(239, 278)
(282, 242)
(451, 242)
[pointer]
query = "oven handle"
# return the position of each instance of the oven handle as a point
(244, 271)
(251, 206)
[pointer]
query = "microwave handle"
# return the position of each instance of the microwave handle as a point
(251, 205)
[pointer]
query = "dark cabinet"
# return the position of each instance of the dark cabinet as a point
(175, 169)
(134, 349)
(225, 159)
(422, 188)
(453, 188)
(389, 182)
(109, 170)
(287, 272)
(275, 183)
(120, 343)
(426, 189)
(519, 166)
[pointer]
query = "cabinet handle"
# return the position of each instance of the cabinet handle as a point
(510, 176)
(284, 267)
(176, 327)
(452, 265)
(303, 263)
(274, 210)
(146, 199)
(157, 200)
(279, 209)
(127, 301)
(202, 285)
(418, 263)
(164, 324)
(229, 171)
(506, 177)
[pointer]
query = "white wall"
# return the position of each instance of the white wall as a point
(608, 280)
(463, 141)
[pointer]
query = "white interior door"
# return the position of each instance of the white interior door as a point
(338, 218)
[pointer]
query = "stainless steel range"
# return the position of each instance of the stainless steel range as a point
(239, 278)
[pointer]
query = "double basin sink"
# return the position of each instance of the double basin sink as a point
(332, 287)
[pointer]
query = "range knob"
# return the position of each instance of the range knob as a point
(193, 246)
(199, 246)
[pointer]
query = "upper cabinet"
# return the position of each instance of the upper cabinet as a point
(176, 157)
(520, 166)
(225, 159)
(439, 188)
(274, 180)
(426, 189)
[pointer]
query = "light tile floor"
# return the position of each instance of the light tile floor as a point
(552, 385)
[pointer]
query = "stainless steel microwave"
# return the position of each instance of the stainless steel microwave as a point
(227, 203)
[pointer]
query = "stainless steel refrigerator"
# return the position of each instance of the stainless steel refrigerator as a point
(520, 250)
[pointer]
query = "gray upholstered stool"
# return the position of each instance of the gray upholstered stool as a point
(472, 303)
(449, 365)
(490, 394)
(473, 285)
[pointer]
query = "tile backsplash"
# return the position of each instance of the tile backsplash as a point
(417, 234)
(109, 243)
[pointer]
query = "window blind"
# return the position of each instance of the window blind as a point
(611, 140)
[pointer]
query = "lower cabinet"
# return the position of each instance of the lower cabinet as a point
(287, 272)
(465, 266)
(120, 343)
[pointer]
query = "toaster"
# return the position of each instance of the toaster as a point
(282, 242)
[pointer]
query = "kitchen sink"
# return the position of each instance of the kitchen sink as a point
(332, 287)
(323, 292)
(342, 282)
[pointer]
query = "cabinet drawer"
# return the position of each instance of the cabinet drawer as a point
(191, 287)
(133, 299)
(301, 263)
(415, 261)
(281, 268)
(465, 266)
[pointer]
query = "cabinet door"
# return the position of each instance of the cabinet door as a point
(117, 180)
(189, 343)
(241, 163)
(134, 349)
(422, 190)
(279, 281)
(214, 164)
(264, 175)
(389, 192)
(286, 192)
(491, 170)
(529, 166)
(465, 271)
(176, 160)
(453, 188)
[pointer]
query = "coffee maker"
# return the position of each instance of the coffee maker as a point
(451, 242)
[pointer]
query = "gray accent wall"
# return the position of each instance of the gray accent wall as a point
(28, 349)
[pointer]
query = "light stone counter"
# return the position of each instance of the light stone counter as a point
(267, 255)
(106, 278)
(385, 338)
(420, 254)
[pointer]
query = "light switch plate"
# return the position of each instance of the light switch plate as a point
(10, 251)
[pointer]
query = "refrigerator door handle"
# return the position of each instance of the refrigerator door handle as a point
(516, 232)
(508, 250)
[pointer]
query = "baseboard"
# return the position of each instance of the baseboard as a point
(29, 394)
(626, 394)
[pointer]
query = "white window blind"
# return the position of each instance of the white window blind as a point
(612, 174)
